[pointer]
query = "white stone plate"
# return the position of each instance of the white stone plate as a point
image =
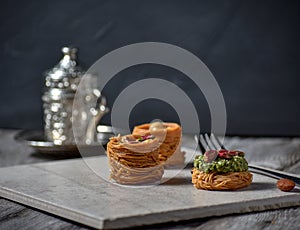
(70, 189)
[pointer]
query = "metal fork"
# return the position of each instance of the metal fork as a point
(211, 142)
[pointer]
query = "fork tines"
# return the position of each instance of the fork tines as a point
(209, 142)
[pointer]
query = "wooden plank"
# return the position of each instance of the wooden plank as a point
(17, 216)
(277, 153)
(295, 168)
(275, 220)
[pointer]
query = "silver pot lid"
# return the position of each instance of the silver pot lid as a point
(66, 74)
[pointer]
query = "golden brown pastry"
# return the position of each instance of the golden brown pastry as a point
(169, 135)
(133, 159)
(221, 170)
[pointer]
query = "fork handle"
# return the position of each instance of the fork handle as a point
(275, 173)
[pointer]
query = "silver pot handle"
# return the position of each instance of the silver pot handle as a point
(98, 112)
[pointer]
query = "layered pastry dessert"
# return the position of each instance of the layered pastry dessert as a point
(221, 170)
(169, 135)
(134, 159)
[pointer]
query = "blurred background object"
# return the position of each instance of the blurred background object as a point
(61, 83)
(251, 47)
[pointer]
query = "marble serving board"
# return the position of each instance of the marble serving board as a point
(78, 190)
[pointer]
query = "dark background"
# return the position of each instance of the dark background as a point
(251, 47)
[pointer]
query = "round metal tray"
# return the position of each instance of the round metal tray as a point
(36, 140)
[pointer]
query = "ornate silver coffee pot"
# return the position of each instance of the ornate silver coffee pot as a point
(61, 84)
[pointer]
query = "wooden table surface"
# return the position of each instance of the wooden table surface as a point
(279, 153)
